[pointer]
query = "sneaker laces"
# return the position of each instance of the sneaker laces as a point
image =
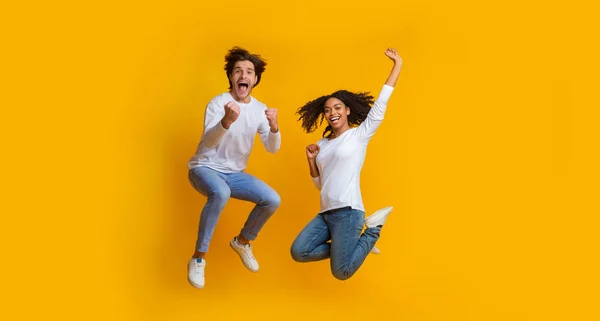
(198, 268)
(247, 250)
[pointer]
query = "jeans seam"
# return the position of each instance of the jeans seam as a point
(250, 191)
(310, 245)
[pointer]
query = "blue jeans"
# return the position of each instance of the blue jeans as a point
(347, 249)
(218, 187)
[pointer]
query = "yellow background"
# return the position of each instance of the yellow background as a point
(489, 154)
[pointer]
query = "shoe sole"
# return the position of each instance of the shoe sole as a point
(382, 212)
(243, 262)
(195, 285)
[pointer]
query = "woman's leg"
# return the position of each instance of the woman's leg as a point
(312, 242)
(348, 247)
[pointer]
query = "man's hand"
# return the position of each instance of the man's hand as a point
(271, 114)
(232, 112)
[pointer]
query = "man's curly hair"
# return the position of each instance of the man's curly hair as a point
(312, 114)
(236, 54)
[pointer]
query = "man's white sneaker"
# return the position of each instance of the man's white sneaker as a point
(378, 218)
(196, 272)
(245, 253)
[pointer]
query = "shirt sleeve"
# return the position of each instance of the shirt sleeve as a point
(213, 129)
(367, 128)
(271, 141)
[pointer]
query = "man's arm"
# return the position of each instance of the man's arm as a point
(269, 131)
(217, 121)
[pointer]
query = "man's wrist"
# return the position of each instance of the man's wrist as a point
(225, 124)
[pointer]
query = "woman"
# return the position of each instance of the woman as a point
(335, 163)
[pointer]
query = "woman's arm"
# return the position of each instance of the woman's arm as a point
(367, 128)
(311, 155)
(393, 77)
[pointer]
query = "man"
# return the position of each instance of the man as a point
(231, 122)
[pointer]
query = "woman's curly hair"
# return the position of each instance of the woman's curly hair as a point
(312, 114)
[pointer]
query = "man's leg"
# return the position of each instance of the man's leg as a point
(249, 188)
(211, 184)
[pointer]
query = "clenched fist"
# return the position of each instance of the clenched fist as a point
(271, 114)
(232, 112)
(312, 151)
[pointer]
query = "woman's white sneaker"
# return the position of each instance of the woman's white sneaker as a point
(378, 218)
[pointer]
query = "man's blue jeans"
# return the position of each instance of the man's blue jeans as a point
(218, 188)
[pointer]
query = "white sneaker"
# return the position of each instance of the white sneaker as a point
(196, 272)
(375, 250)
(378, 218)
(245, 252)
